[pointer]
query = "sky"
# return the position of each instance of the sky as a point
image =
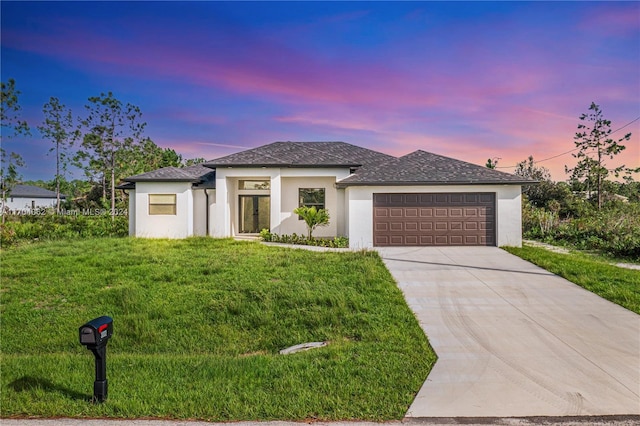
(469, 80)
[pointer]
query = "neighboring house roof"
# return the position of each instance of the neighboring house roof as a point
(302, 154)
(425, 168)
(30, 191)
(195, 174)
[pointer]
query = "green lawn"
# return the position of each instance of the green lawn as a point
(616, 284)
(198, 324)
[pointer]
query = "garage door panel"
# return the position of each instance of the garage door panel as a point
(486, 198)
(456, 240)
(426, 240)
(396, 226)
(471, 226)
(471, 240)
(396, 240)
(426, 212)
(434, 219)
(411, 240)
(471, 212)
(456, 226)
(426, 226)
(411, 226)
(441, 226)
(381, 226)
(456, 198)
(441, 212)
(411, 212)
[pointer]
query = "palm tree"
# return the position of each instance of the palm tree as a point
(313, 218)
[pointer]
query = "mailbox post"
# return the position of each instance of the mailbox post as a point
(95, 335)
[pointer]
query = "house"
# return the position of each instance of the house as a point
(29, 197)
(373, 198)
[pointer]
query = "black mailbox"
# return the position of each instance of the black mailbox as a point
(95, 335)
(97, 331)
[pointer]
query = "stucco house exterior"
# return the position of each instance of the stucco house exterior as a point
(374, 199)
(29, 197)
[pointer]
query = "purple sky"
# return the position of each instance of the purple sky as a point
(468, 80)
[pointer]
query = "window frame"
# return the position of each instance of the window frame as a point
(318, 206)
(152, 204)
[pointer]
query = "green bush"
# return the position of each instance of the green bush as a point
(336, 242)
(47, 225)
(615, 229)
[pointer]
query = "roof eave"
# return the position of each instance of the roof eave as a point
(191, 180)
(433, 183)
(290, 166)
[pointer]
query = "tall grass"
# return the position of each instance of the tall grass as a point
(614, 230)
(44, 224)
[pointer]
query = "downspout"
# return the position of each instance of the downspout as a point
(206, 202)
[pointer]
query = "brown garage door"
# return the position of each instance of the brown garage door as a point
(447, 219)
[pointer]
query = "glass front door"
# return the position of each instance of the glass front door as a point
(254, 213)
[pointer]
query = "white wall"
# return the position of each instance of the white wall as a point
(508, 210)
(132, 212)
(19, 203)
(179, 225)
(199, 212)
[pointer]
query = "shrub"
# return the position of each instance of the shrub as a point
(614, 229)
(336, 242)
(313, 218)
(47, 225)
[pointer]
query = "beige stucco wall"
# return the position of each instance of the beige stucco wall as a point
(290, 192)
(508, 210)
(285, 183)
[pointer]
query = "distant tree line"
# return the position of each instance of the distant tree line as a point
(107, 142)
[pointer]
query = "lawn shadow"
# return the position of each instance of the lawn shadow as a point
(28, 383)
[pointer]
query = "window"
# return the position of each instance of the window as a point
(311, 197)
(254, 184)
(162, 204)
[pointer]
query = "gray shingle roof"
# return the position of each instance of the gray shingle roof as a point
(371, 167)
(302, 154)
(421, 167)
(193, 174)
(30, 191)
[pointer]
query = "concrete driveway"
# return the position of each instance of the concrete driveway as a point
(515, 340)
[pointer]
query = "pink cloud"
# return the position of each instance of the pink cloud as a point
(613, 19)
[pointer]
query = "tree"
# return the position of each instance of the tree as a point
(492, 163)
(528, 169)
(594, 142)
(113, 129)
(193, 161)
(313, 218)
(58, 127)
(12, 126)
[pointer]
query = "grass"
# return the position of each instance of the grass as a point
(594, 273)
(198, 324)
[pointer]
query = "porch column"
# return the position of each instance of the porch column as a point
(220, 222)
(276, 201)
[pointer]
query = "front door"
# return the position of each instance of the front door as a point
(254, 213)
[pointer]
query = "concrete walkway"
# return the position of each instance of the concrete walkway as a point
(515, 340)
